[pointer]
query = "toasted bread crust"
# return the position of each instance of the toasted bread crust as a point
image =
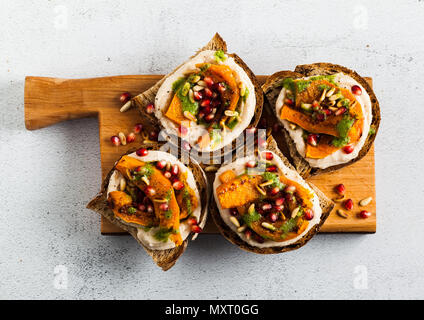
(272, 89)
(326, 205)
(216, 43)
(165, 259)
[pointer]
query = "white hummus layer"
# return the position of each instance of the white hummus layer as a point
(238, 167)
(147, 237)
(338, 157)
(165, 95)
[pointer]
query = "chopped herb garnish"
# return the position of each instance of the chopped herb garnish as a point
(288, 226)
(302, 85)
(187, 200)
(220, 56)
(131, 210)
(249, 218)
(340, 142)
(163, 234)
(269, 176)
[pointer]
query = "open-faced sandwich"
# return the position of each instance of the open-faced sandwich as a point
(264, 206)
(330, 115)
(208, 101)
(157, 199)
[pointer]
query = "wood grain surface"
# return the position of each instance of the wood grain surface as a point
(51, 100)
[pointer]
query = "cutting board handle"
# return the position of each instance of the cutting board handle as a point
(52, 100)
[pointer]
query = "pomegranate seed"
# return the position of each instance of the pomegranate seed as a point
(348, 149)
(273, 217)
(340, 111)
(313, 140)
(356, 90)
(167, 174)
(205, 103)
(348, 204)
(131, 137)
(290, 189)
(186, 146)
(267, 207)
(142, 152)
(207, 110)
(197, 95)
(149, 191)
(115, 141)
(161, 164)
(196, 229)
(276, 128)
(274, 191)
(320, 117)
(269, 156)
(138, 169)
(221, 87)
(279, 201)
(234, 211)
(208, 92)
(164, 207)
(340, 189)
(309, 214)
(248, 234)
(125, 97)
(279, 208)
(141, 207)
(150, 209)
(175, 169)
(153, 135)
(328, 112)
(251, 164)
(271, 169)
(201, 115)
(289, 102)
(364, 214)
(178, 185)
(315, 104)
(209, 82)
(192, 221)
(150, 108)
(138, 127)
(209, 117)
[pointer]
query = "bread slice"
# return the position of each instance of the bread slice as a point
(325, 203)
(272, 88)
(163, 258)
(216, 43)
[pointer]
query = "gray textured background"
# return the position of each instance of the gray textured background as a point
(47, 176)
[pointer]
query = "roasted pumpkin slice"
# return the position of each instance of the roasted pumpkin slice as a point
(169, 219)
(175, 111)
(238, 191)
(121, 204)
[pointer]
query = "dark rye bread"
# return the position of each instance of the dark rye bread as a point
(272, 88)
(163, 258)
(326, 205)
(216, 43)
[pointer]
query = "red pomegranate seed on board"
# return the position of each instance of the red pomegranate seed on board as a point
(340, 189)
(131, 137)
(138, 127)
(364, 214)
(125, 97)
(115, 141)
(348, 204)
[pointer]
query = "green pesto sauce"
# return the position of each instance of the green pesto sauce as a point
(274, 178)
(344, 125)
(187, 199)
(220, 56)
(288, 226)
(163, 234)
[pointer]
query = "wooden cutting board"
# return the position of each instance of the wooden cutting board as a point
(51, 100)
